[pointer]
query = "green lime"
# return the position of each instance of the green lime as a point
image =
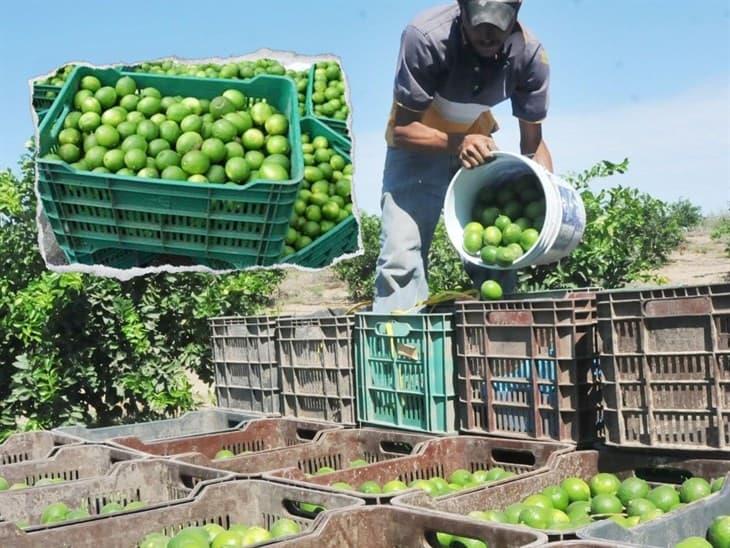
(278, 144)
(237, 170)
(253, 139)
(639, 506)
(188, 141)
(135, 159)
(89, 121)
(536, 517)
(606, 504)
(604, 484)
(577, 489)
(273, 172)
(369, 487)
(664, 497)
(491, 290)
(174, 173)
(90, 83)
(632, 488)
(694, 489)
(196, 162)
(558, 496)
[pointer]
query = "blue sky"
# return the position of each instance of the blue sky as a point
(647, 79)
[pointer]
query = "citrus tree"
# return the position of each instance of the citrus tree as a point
(79, 348)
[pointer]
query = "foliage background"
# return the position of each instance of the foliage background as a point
(79, 348)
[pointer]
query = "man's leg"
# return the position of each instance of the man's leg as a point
(414, 185)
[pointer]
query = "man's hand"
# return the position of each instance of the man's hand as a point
(475, 150)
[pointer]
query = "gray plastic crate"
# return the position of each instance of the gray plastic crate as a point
(246, 363)
(691, 521)
(666, 367)
(317, 368)
(254, 437)
(252, 502)
(206, 421)
(70, 463)
(27, 446)
(153, 482)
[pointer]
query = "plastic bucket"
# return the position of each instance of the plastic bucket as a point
(565, 216)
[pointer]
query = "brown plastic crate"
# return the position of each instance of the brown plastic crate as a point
(31, 446)
(317, 368)
(70, 463)
(386, 526)
(666, 365)
(246, 363)
(257, 435)
(253, 502)
(153, 482)
(438, 457)
(333, 448)
(527, 368)
(653, 467)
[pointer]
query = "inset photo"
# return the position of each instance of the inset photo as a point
(222, 164)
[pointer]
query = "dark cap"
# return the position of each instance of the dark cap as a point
(500, 13)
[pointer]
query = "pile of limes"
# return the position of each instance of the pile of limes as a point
(137, 132)
(718, 536)
(240, 70)
(506, 222)
(576, 503)
(328, 92)
(59, 78)
(215, 536)
(435, 486)
(325, 197)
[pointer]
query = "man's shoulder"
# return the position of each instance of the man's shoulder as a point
(525, 43)
(436, 23)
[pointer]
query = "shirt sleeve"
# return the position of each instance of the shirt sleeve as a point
(530, 99)
(416, 77)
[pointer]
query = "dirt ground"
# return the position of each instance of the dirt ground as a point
(700, 260)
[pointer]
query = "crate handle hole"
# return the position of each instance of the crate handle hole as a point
(663, 475)
(513, 456)
(399, 447)
(302, 509)
(392, 329)
(306, 433)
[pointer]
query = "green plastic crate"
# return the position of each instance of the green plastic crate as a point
(242, 225)
(405, 371)
(43, 97)
(342, 238)
(340, 126)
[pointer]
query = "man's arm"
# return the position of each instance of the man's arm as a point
(532, 143)
(409, 132)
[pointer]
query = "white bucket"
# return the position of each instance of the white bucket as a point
(565, 216)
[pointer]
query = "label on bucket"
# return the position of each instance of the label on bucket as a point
(572, 221)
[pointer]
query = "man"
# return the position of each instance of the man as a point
(455, 63)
